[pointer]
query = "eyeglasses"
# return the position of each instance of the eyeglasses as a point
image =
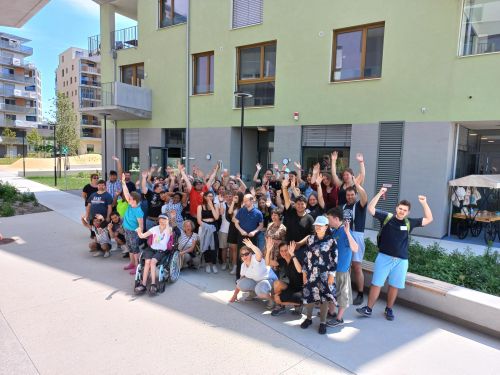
(245, 254)
(94, 178)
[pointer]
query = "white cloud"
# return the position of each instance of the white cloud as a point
(88, 6)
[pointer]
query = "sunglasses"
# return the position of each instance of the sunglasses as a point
(245, 254)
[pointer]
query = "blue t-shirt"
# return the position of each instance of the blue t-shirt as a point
(131, 216)
(249, 220)
(344, 250)
(99, 204)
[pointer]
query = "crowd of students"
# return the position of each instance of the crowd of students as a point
(291, 238)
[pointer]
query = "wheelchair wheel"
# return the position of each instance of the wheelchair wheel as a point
(462, 229)
(475, 228)
(162, 278)
(174, 267)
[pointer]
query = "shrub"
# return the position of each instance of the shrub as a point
(80, 175)
(6, 209)
(27, 197)
(8, 192)
(478, 272)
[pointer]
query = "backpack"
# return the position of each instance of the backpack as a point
(386, 220)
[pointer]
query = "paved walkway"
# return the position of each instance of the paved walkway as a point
(62, 311)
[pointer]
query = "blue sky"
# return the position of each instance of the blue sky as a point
(59, 25)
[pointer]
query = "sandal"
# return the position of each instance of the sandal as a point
(140, 289)
(153, 290)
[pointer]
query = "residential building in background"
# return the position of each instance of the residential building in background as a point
(78, 76)
(20, 92)
(411, 85)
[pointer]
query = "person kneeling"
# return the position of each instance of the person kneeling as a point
(101, 242)
(256, 277)
(160, 239)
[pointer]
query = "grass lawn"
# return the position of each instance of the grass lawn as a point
(74, 182)
(7, 161)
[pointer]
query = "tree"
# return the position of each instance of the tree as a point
(34, 139)
(8, 138)
(66, 125)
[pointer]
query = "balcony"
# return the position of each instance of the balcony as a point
(94, 45)
(9, 123)
(86, 122)
(17, 78)
(122, 102)
(89, 134)
(14, 45)
(90, 70)
(90, 82)
(125, 38)
(17, 109)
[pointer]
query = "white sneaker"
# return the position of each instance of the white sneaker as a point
(207, 269)
(233, 271)
(106, 254)
(97, 254)
(214, 268)
(224, 267)
(124, 249)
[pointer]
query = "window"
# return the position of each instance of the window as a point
(30, 118)
(62, 72)
(256, 73)
(203, 73)
(133, 74)
(70, 80)
(173, 12)
(357, 52)
(90, 149)
(247, 12)
(72, 67)
(480, 32)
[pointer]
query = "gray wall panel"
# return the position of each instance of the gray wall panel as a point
(287, 143)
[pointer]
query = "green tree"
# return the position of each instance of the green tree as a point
(66, 125)
(8, 137)
(34, 139)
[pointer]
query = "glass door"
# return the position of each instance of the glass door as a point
(158, 158)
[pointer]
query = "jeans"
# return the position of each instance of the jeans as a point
(263, 287)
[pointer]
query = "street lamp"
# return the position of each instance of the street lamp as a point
(24, 154)
(242, 95)
(55, 156)
(105, 155)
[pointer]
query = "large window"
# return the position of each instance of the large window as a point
(133, 74)
(173, 12)
(247, 12)
(357, 52)
(203, 73)
(480, 27)
(256, 73)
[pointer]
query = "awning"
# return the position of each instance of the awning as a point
(491, 181)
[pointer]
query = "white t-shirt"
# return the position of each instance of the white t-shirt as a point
(257, 271)
(160, 239)
(224, 227)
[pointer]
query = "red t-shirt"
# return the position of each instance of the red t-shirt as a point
(195, 199)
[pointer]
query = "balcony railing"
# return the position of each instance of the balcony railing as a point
(88, 93)
(94, 45)
(9, 123)
(17, 78)
(14, 45)
(89, 82)
(87, 122)
(17, 108)
(125, 38)
(90, 69)
(89, 134)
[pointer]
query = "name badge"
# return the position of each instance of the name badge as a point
(403, 227)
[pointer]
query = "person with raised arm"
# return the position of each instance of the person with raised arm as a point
(347, 176)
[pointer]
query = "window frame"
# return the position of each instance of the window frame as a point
(134, 75)
(364, 29)
(195, 71)
(160, 14)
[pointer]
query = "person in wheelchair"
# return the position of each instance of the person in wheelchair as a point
(160, 241)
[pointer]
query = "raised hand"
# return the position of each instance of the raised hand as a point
(259, 167)
(269, 244)
(422, 199)
(252, 191)
(248, 242)
(359, 157)
(347, 226)
(285, 183)
(115, 158)
(144, 174)
(383, 190)
(291, 248)
(334, 156)
(297, 165)
(275, 166)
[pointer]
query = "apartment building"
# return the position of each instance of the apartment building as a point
(411, 85)
(78, 76)
(20, 92)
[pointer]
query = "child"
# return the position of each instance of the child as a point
(116, 232)
(101, 241)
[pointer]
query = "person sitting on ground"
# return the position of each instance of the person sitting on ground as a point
(392, 260)
(162, 240)
(288, 289)
(132, 219)
(346, 245)
(187, 244)
(347, 177)
(318, 266)
(101, 242)
(116, 233)
(256, 277)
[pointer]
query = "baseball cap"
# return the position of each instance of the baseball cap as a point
(162, 216)
(321, 220)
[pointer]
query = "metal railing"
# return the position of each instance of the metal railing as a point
(87, 122)
(7, 122)
(17, 108)
(94, 45)
(88, 93)
(90, 82)
(90, 69)
(16, 46)
(125, 38)
(17, 78)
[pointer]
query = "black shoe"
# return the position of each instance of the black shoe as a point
(358, 300)
(141, 289)
(153, 290)
(365, 311)
(389, 315)
(335, 322)
(306, 323)
(322, 329)
(125, 255)
(278, 310)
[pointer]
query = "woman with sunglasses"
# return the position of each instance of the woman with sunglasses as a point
(255, 276)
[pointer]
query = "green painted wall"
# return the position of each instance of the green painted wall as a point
(420, 64)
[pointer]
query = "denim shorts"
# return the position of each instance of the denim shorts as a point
(132, 239)
(359, 237)
(390, 267)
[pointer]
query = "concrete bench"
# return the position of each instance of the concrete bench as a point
(464, 306)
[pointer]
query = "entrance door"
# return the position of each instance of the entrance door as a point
(175, 155)
(158, 158)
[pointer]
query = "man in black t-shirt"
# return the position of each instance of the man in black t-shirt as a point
(89, 189)
(392, 260)
(155, 203)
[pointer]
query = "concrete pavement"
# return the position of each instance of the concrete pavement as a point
(63, 311)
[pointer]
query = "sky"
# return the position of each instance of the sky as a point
(59, 25)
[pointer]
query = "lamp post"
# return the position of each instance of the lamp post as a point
(242, 96)
(105, 154)
(24, 154)
(55, 156)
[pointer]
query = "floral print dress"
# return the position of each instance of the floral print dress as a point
(320, 258)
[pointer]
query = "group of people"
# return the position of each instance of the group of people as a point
(292, 238)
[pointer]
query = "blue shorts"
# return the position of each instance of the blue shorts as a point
(359, 237)
(390, 267)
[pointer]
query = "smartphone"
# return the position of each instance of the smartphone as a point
(219, 163)
(387, 186)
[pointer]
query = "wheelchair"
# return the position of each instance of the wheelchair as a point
(167, 270)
